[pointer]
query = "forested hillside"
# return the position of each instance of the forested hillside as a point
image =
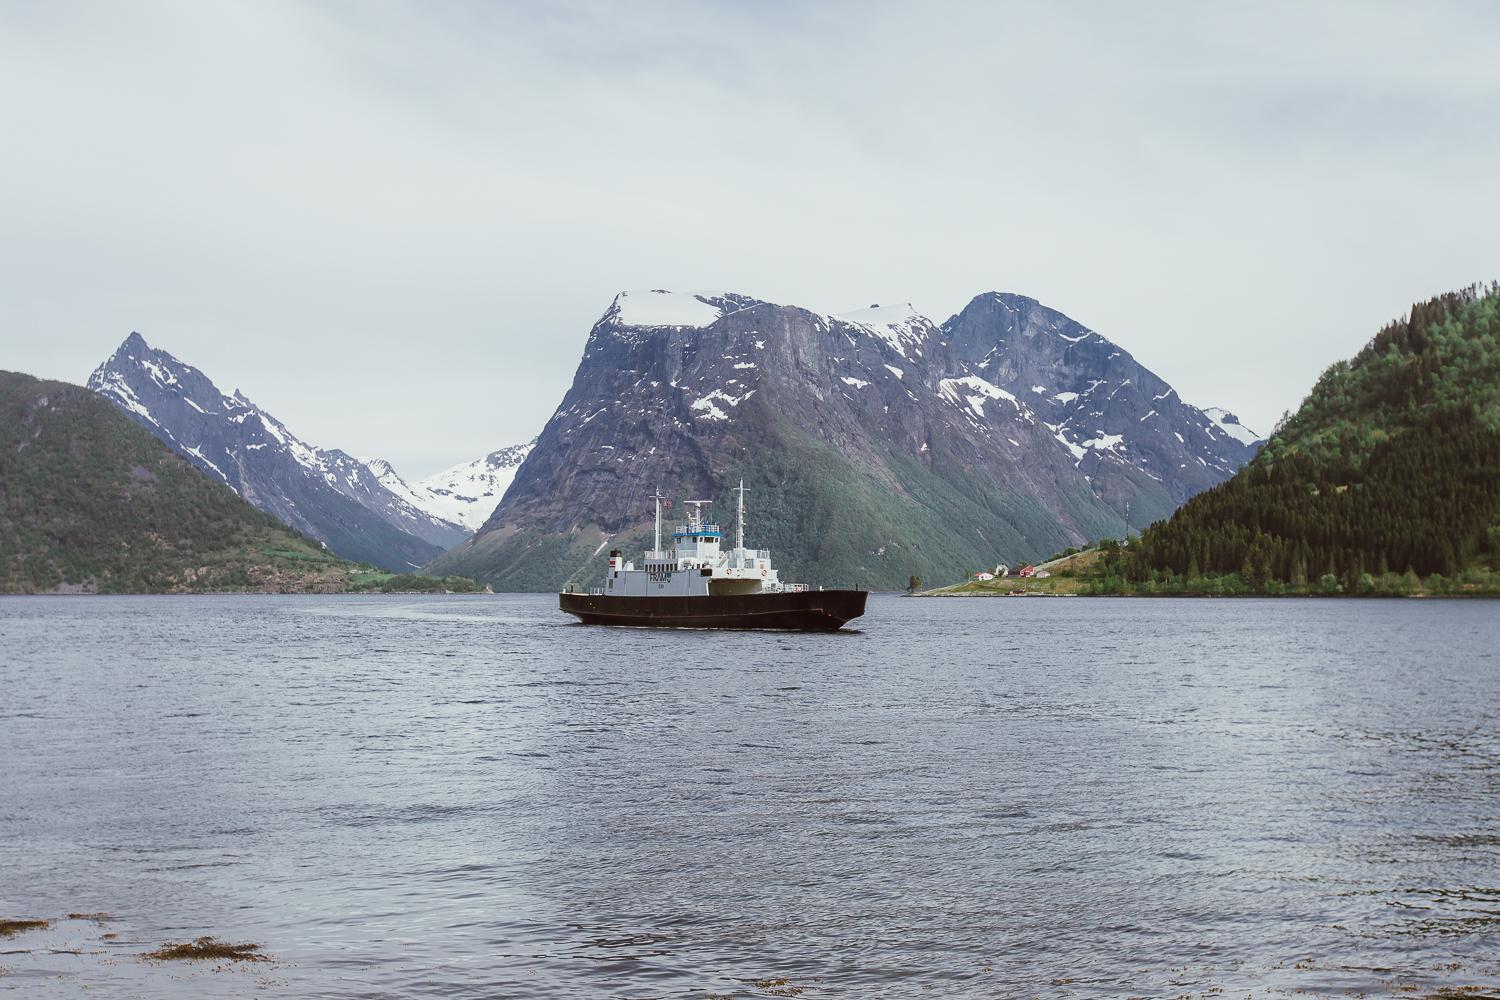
(91, 502)
(1389, 471)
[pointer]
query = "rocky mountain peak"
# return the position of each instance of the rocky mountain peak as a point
(1099, 401)
(324, 493)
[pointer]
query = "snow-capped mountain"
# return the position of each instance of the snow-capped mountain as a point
(325, 493)
(880, 443)
(466, 494)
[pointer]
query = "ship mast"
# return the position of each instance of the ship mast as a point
(656, 551)
(739, 522)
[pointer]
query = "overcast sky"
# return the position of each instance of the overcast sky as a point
(393, 224)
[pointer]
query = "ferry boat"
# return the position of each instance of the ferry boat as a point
(700, 585)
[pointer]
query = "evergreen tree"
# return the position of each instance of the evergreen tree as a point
(1392, 460)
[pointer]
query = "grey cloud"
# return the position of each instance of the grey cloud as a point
(392, 224)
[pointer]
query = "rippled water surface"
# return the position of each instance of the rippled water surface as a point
(471, 797)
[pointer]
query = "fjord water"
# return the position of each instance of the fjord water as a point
(473, 797)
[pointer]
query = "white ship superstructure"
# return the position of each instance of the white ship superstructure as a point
(698, 565)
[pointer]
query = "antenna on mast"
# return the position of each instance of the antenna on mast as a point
(695, 516)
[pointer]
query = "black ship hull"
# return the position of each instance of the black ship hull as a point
(803, 610)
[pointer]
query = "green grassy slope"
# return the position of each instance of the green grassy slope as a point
(1391, 464)
(827, 522)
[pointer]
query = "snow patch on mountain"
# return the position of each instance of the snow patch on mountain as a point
(705, 404)
(952, 389)
(709, 411)
(659, 307)
(161, 376)
(900, 326)
(1230, 424)
(1111, 442)
(1077, 452)
(113, 386)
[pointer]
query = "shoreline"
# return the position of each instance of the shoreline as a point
(936, 592)
(1201, 595)
(262, 593)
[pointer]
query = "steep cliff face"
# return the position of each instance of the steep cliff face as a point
(877, 443)
(324, 493)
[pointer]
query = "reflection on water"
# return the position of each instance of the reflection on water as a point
(472, 797)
